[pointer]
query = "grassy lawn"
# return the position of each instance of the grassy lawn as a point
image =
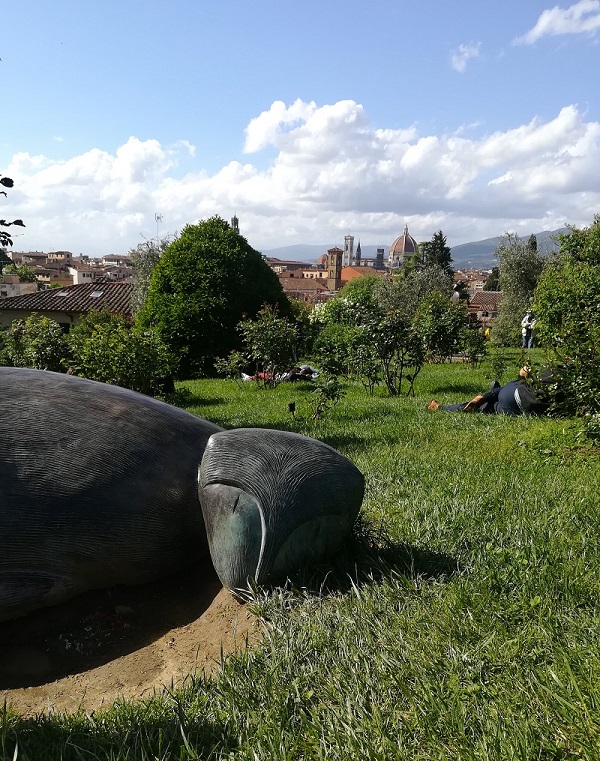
(462, 620)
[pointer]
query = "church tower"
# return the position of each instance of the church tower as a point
(334, 268)
(348, 250)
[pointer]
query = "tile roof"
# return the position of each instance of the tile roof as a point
(486, 300)
(297, 284)
(100, 295)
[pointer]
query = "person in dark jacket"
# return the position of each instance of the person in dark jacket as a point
(513, 398)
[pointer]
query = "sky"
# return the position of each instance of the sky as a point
(125, 120)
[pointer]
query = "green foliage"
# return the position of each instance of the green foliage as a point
(327, 392)
(498, 363)
(6, 237)
(566, 304)
(107, 348)
(436, 253)
(360, 291)
(440, 322)
(232, 366)
(347, 308)
(398, 347)
(36, 342)
(363, 360)
(409, 288)
(520, 268)
(472, 344)
(332, 348)
(493, 281)
(203, 285)
(26, 274)
(144, 257)
(270, 342)
(5, 260)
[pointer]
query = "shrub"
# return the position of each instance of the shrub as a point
(36, 342)
(107, 348)
(566, 305)
(270, 342)
(440, 322)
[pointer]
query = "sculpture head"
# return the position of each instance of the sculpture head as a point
(273, 502)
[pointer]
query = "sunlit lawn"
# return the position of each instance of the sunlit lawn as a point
(462, 621)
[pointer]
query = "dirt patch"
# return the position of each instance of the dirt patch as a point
(124, 642)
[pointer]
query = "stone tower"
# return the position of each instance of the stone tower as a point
(334, 268)
(348, 250)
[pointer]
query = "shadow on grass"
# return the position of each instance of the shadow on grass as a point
(370, 556)
(184, 398)
(161, 728)
(465, 391)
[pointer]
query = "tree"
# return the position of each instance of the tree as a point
(520, 268)
(399, 348)
(407, 290)
(5, 237)
(360, 290)
(26, 274)
(203, 285)
(493, 281)
(440, 324)
(566, 305)
(144, 257)
(436, 253)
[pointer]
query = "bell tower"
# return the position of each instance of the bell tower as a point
(348, 250)
(334, 268)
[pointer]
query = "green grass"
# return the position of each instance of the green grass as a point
(461, 621)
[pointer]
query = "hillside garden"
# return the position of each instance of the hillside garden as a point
(460, 621)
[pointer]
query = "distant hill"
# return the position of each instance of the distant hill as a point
(479, 254)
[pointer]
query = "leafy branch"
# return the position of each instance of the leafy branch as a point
(5, 237)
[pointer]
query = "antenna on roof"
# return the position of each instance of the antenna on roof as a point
(158, 218)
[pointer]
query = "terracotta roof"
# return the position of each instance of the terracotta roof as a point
(99, 296)
(273, 260)
(355, 270)
(296, 284)
(487, 301)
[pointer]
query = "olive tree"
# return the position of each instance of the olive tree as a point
(520, 266)
(144, 258)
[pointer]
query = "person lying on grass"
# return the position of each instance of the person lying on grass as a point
(514, 398)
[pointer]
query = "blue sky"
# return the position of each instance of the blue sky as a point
(310, 121)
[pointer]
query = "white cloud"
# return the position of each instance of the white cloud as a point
(332, 174)
(581, 18)
(462, 55)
